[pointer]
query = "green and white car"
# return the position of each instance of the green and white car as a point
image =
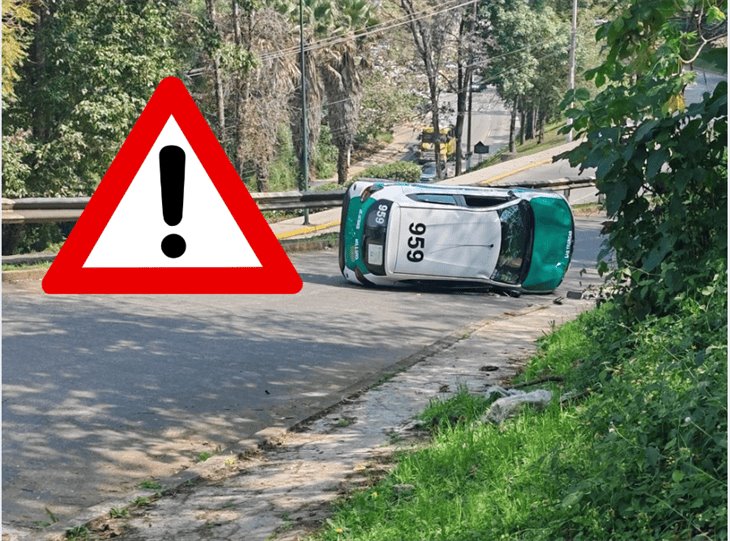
(512, 239)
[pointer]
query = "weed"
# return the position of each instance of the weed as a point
(77, 533)
(116, 512)
(345, 422)
(141, 501)
(642, 457)
(203, 456)
(150, 484)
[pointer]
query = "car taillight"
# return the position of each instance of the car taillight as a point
(370, 190)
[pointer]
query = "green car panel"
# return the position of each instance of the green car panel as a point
(353, 216)
(552, 244)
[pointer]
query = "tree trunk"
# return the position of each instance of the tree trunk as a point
(343, 156)
(262, 177)
(541, 127)
(428, 40)
(522, 126)
(530, 123)
(217, 77)
(432, 83)
(463, 77)
(240, 94)
(512, 124)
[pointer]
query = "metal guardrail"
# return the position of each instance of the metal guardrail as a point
(33, 210)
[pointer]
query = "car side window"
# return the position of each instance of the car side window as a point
(483, 201)
(439, 199)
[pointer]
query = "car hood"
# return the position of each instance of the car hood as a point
(458, 243)
(553, 243)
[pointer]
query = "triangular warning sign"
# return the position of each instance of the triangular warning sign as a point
(171, 215)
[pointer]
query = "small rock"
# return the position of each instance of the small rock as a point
(508, 406)
(489, 368)
(496, 390)
(403, 489)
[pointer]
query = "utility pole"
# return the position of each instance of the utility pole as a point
(471, 95)
(468, 125)
(571, 60)
(305, 135)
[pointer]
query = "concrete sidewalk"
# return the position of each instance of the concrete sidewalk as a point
(282, 488)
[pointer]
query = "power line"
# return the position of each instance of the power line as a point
(374, 29)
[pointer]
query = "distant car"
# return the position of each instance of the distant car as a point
(392, 233)
(428, 172)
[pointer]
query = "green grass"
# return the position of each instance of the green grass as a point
(150, 484)
(203, 456)
(641, 456)
(34, 266)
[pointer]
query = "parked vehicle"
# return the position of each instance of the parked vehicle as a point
(426, 151)
(428, 172)
(396, 233)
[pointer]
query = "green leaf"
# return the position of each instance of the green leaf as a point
(657, 254)
(645, 129)
(652, 456)
(677, 476)
(615, 194)
(715, 15)
(655, 162)
(571, 499)
(582, 94)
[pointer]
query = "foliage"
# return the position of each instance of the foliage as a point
(527, 54)
(385, 104)
(16, 147)
(17, 17)
(324, 161)
(661, 165)
(93, 67)
(402, 171)
(642, 457)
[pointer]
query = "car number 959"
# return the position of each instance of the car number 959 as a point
(416, 242)
(381, 214)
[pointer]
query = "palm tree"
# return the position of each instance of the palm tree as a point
(262, 81)
(317, 20)
(342, 82)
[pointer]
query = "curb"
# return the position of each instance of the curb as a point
(263, 439)
(497, 178)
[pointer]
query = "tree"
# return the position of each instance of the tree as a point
(92, 66)
(661, 165)
(342, 81)
(17, 18)
(213, 43)
(429, 36)
(526, 60)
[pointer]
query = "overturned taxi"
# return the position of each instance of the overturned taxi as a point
(512, 239)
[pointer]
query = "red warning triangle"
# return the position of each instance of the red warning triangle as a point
(171, 215)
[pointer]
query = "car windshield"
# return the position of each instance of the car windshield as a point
(516, 237)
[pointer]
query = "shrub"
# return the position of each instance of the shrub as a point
(402, 171)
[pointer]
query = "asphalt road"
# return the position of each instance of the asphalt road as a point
(101, 392)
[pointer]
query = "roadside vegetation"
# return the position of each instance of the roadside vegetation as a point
(634, 443)
(76, 75)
